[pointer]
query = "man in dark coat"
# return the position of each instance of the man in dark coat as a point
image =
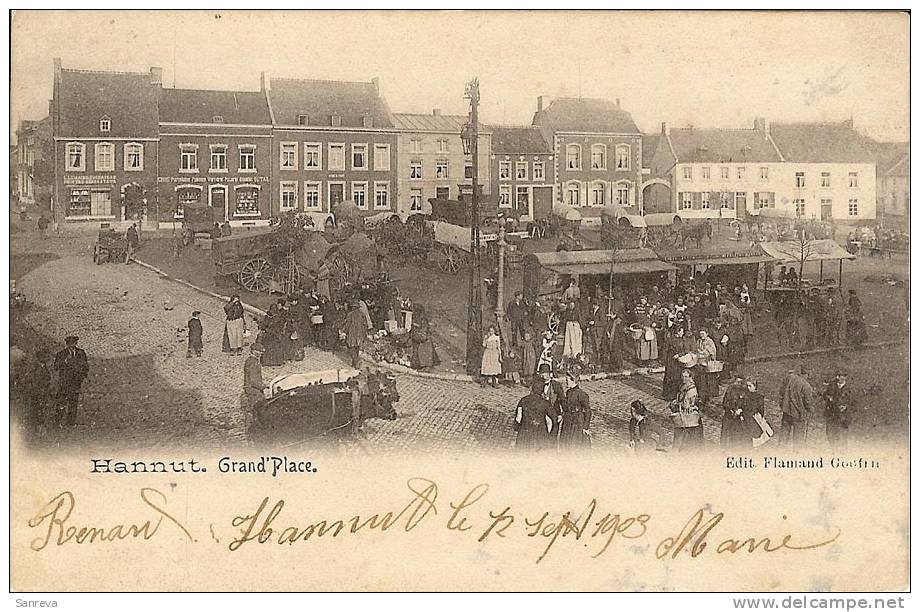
(838, 411)
(133, 239)
(253, 385)
(539, 320)
(355, 333)
(72, 367)
(552, 391)
(738, 426)
(195, 332)
(797, 399)
(575, 432)
(610, 343)
(516, 313)
(533, 421)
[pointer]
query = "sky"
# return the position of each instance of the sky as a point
(702, 69)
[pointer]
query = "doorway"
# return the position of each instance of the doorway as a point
(218, 203)
(336, 195)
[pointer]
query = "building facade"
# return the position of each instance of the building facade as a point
(106, 137)
(892, 161)
(215, 148)
(332, 141)
(522, 171)
(430, 162)
(597, 152)
(34, 163)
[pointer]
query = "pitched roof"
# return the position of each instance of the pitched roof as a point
(414, 122)
(519, 139)
(649, 146)
(586, 115)
(692, 145)
(128, 99)
(820, 142)
(320, 100)
(201, 106)
(890, 156)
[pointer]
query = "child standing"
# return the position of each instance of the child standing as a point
(195, 332)
(511, 367)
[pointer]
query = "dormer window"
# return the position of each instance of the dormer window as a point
(105, 125)
(303, 119)
(218, 119)
(336, 121)
(368, 121)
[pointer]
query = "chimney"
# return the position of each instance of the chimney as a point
(57, 68)
(665, 130)
(539, 103)
(156, 75)
(376, 82)
(265, 82)
(436, 112)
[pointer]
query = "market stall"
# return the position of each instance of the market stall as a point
(800, 252)
(731, 265)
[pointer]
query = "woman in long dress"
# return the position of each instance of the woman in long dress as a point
(678, 344)
(234, 327)
(572, 344)
(491, 357)
(688, 425)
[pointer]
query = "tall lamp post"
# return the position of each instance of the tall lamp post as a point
(469, 134)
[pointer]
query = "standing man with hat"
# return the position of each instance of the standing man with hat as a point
(253, 385)
(838, 411)
(72, 367)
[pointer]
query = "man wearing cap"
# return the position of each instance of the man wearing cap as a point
(72, 367)
(253, 385)
(838, 407)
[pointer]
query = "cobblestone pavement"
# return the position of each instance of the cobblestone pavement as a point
(142, 392)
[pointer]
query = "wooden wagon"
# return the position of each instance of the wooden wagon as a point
(110, 246)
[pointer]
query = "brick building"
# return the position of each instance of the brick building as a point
(215, 148)
(522, 170)
(597, 152)
(333, 141)
(106, 135)
(34, 163)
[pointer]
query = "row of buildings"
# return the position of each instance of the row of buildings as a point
(119, 144)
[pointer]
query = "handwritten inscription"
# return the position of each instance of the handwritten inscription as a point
(471, 515)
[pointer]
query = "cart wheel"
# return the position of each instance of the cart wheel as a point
(553, 321)
(255, 275)
(289, 276)
(450, 259)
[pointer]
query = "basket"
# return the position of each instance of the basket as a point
(316, 319)
(714, 366)
(688, 360)
(637, 333)
(686, 419)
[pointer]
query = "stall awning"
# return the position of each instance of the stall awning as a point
(602, 262)
(658, 219)
(566, 212)
(813, 250)
(726, 256)
(774, 213)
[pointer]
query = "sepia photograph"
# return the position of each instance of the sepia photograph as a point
(626, 263)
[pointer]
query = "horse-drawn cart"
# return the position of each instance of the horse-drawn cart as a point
(111, 246)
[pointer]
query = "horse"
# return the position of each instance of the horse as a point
(694, 232)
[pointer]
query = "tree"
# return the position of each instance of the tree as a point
(801, 249)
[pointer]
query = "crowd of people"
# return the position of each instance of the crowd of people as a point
(877, 238)
(812, 317)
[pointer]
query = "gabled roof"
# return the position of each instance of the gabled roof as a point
(415, 122)
(519, 140)
(586, 115)
(320, 100)
(820, 143)
(128, 99)
(890, 157)
(716, 145)
(649, 146)
(201, 106)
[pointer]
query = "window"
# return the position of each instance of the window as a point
(217, 119)
(725, 199)
(187, 196)
(105, 125)
(288, 155)
(799, 204)
(188, 158)
(573, 195)
(105, 157)
(134, 157)
(854, 179)
(381, 195)
(764, 173)
(740, 173)
(520, 171)
(765, 199)
(247, 202)
(468, 170)
(288, 196)
(523, 198)
(825, 179)
(382, 157)
(336, 156)
(622, 153)
(303, 119)
(312, 155)
(504, 196)
(218, 158)
(442, 145)
(828, 203)
(247, 158)
(415, 146)
(723, 172)
(311, 192)
(688, 173)
(623, 194)
(359, 194)
(598, 157)
(740, 200)
(80, 203)
(359, 157)
(75, 156)
(799, 179)
(101, 203)
(442, 193)
(573, 157)
(415, 200)
(597, 194)
(442, 169)
(415, 169)
(704, 199)
(704, 171)
(686, 201)
(539, 171)
(504, 170)
(853, 207)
